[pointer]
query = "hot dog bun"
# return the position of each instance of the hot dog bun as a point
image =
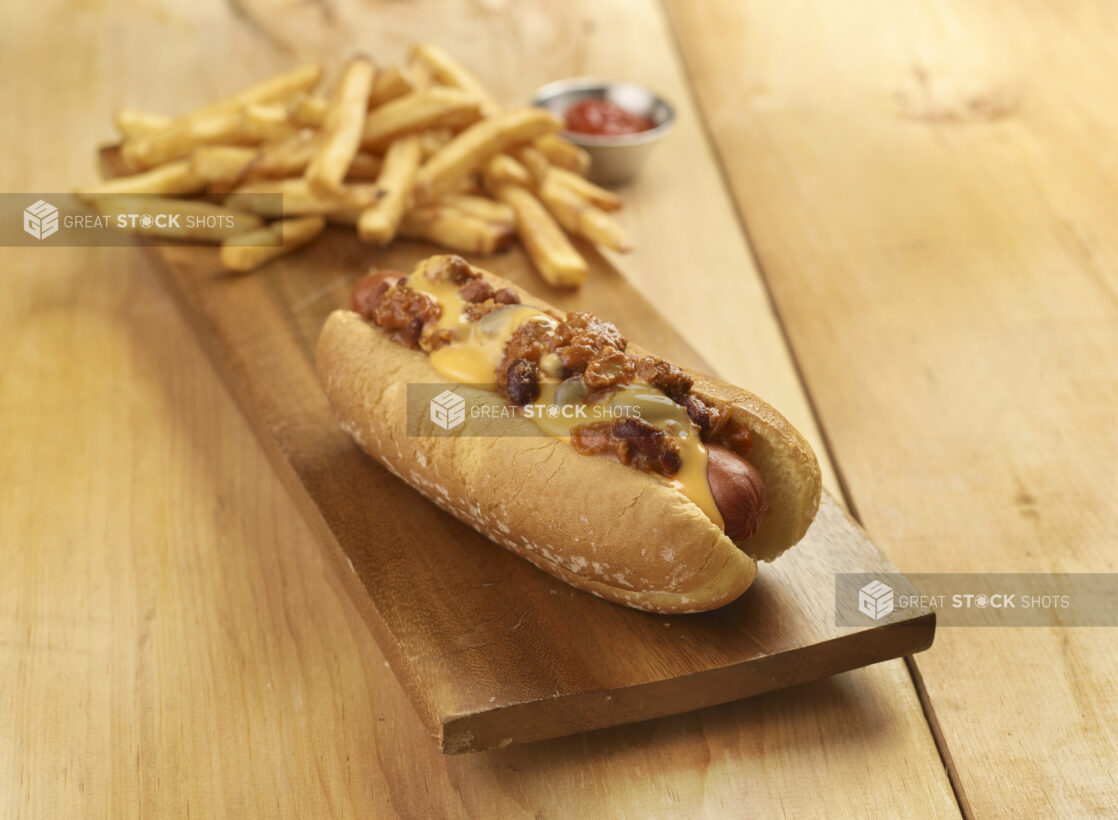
(619, 533)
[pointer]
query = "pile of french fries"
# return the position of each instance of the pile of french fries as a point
(421, 151)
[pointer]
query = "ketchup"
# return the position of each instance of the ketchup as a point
(604, 118)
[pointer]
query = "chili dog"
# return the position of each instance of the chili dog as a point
(665, 507)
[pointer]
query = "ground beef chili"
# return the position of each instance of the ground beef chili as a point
(609, 367)
(716, 424)
(632, 442)
(584, 344)
(581, 336)
(476, 311)
(700, 413)
(405, 313)
(367, 292)
(664, 376)
(586, 347)
(529, 341)
(518, 374)
(457, 270)
(481, 295)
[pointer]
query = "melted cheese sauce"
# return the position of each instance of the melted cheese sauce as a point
(650, 405)
(478, 348)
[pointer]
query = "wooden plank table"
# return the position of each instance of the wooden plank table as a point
(170, 639)
(931, 192)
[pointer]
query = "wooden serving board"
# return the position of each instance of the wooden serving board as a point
(491, 650)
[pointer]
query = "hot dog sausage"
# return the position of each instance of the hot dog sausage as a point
(738, 491)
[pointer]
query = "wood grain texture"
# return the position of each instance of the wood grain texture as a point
(169, 639)
(931, 190)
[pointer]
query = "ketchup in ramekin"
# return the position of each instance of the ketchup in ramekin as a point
(602, 118)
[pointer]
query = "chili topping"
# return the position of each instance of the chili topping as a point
(476, 332)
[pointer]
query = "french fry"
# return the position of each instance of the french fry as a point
(420, 150)
(290, 157)
(219, 122)
(182, 136)
(552, 253)
(419, 74)
(254, 124)
(477, 144)
(469, 184)
(309, 112)
(132, 123)
(504, 169)
(176, 177)
(431, 140)
(389, 85)
(416, 112)
(341, 130)
(346, 218)
(222, 166)
(489, 210)
(110, 164)
(572, 208)
(450, 72)
(606, 200)
(266, 122)
(534, 160)
(563, 153)
(286, 158)
(455, 230)
(194, 220)
(298, 199)
(577, 216)
(365, 167)
(248, 251)
(379, 222)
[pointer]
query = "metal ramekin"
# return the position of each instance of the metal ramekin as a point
(614, 159)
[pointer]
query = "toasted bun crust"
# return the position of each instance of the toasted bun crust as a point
(621, 534)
